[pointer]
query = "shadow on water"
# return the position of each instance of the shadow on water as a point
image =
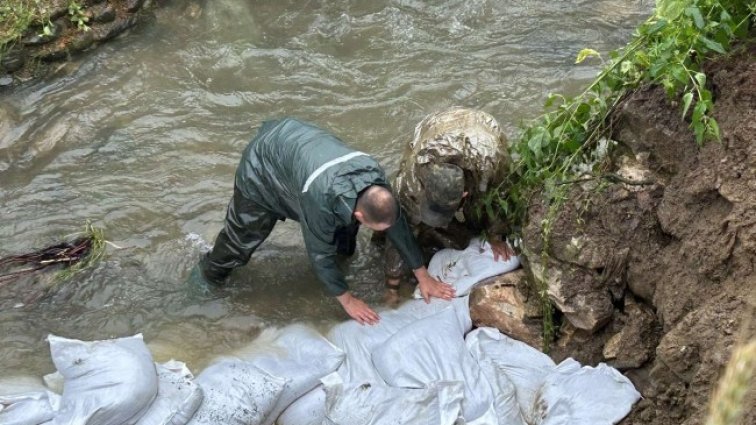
(143, 134)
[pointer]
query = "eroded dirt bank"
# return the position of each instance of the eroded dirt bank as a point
(655, 273)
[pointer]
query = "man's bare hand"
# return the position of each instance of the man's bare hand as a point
(357, 309)
(431, 287)
(501, 249)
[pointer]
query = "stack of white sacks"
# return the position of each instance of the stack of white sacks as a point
(422, 364)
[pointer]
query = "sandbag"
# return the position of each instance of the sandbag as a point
(524, 366)
(24, 401)
(358, 341)
(296, 354)
(110, 382)
(433, 349)
(574, 395)
(236, 393)
(439, 403)
(306, 410)
(466, 268)
(178, 397)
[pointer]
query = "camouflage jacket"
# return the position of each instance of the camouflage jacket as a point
(469, 139)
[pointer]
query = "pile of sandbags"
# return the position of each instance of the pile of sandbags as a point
(255, 385)
(423, 361)
(421, 364)
(109, 382)
(115, 382)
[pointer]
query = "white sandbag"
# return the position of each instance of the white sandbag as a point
(574, 395)
(110, 382)
(306, 410)
(236, 393)
(465, 269)
(297, 354)
(524, 366)
(25, 401)
(359, 341)
(439, 403)
(178, 397)
(433, 349)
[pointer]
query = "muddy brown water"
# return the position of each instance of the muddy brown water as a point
(142, 137)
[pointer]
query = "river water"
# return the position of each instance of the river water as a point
(142, 136)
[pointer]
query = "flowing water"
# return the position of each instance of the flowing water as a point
(142, 137)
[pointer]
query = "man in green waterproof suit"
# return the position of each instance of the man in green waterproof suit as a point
(295, 170)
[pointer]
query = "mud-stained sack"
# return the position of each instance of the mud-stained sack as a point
(24, 401)
(497, 356)
(438, 403)
(110, 382)
(524, 366)
(548, 394)
(236, 392)
(431, 350)
(574, 395)
(178, 397)
(466, 268)
(358, 341)
(306, 410)
(296, 354)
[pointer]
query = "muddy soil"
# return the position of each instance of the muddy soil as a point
(658, 277)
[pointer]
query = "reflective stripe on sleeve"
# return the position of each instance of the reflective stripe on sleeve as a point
(328, 165)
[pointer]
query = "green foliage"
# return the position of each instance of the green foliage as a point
(669, 50)
(77, 15)
(17, 15)
(96, 252)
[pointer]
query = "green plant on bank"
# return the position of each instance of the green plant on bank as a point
(77, 15)
(668, 49)
(96, 251)
(17, 16)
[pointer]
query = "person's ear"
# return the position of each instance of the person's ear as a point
(359, 216)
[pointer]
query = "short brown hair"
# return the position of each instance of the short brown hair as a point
(378, 205)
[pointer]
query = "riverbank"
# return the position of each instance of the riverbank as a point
(34, 35)
(655, 275)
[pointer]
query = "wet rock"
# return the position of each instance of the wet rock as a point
(81, 41)
(133, 5)
(634, 345)
(101, 13)
(574, 292)
(5, 80)
(13, 60)
(580, 344)
(36, 37)
(504, 303)
(58, 8)
(53, 52)
(110, 30)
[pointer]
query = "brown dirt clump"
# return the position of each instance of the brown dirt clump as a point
(658, 277)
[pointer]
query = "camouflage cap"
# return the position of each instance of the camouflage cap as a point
(443, 189)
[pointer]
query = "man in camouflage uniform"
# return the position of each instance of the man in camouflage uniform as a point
(454, 157)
